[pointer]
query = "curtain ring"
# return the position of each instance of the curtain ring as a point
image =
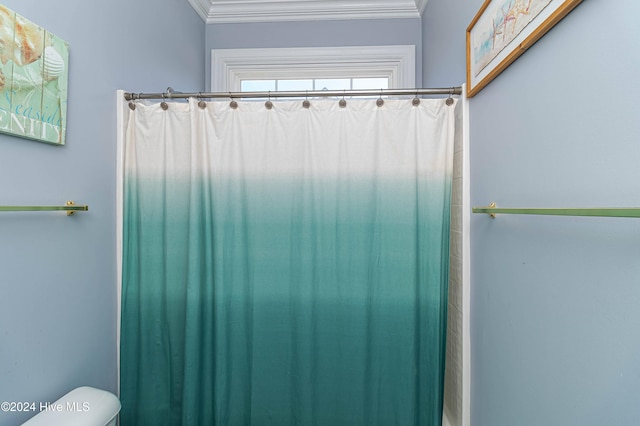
(269, 104)
(342, 102)
(380, 101)
(233, 104)
(201, 104)
(416, 100)
(449, 100)
(306, 104)
(132, 104)
(163, 104)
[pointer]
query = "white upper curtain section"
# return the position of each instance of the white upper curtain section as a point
(361, 139)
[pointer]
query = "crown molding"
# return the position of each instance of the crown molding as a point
(421, 5)
(238, 11)
(201, 7)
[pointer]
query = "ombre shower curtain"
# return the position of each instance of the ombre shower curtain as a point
(285, 266)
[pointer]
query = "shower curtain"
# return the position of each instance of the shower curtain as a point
(285, 266)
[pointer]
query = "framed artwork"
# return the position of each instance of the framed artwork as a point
(502, 30)
(33, 80)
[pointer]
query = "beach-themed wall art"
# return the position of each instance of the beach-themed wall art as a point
(33, 80)
(502, 30)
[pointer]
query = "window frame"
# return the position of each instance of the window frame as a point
(395, 62)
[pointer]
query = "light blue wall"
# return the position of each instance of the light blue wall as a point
(58, 274)
(359, 32)
(555, 317)
(443, 33)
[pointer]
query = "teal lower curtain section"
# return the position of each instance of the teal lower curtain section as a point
(266, 299)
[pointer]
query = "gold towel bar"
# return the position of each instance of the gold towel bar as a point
(492, 210)
(70, 207)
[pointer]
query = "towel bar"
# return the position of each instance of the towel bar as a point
(492, 210)
(70, 207)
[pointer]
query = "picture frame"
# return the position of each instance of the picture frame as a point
(502, 30)
(34, 79)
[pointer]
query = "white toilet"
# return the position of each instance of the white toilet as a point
(84, 406)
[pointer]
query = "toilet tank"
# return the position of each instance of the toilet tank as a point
(84, 406)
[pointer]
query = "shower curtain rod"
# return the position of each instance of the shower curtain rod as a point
(171, 94)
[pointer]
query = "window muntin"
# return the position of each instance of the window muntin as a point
(277, 85)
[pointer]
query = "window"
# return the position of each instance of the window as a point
(333, 68)
(314, 84)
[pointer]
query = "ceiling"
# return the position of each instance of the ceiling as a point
(227, 11)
